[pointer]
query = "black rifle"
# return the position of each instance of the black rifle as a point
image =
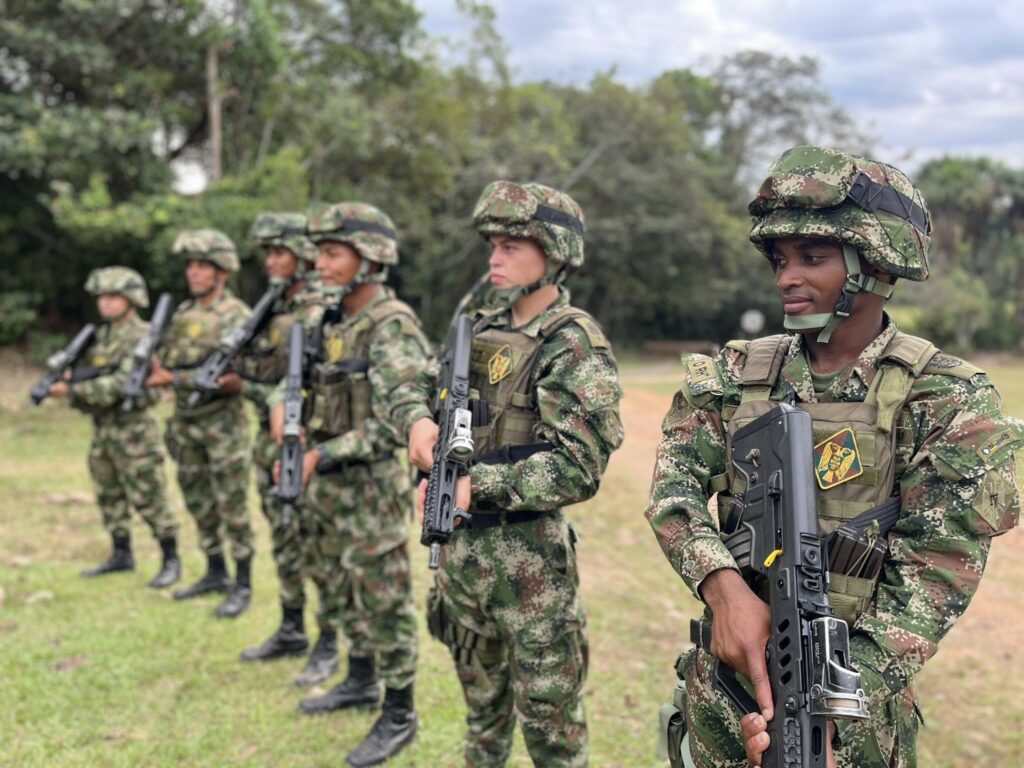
(60, 361)
(454, 446)
(231, 345)
(142, 356)
(290, 486)
(809, 649)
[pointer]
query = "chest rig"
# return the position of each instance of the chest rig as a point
(103, 358)
(193, 335)
(501, 380)
(861, 448)
(266, 358)
(340, 392)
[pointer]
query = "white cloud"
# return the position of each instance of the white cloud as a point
(928, 76)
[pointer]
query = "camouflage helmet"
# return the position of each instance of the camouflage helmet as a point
(120, 280)
(821, 192)
(547, 216)
(287, 230)
(210, 245)
(359, 225)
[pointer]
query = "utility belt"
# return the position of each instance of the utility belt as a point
(338, 372)
(509, 454)
(484, 520)
(116, 417)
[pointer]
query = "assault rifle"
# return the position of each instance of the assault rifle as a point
(809, 648)
(142, 356)
(60, 361)
(290, 486)
(231, 345)
(454, 446)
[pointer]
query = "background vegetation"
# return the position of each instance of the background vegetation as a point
(323, 100)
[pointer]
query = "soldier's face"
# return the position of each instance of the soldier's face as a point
(337, 263)
(809, 273)
(112, 306)
(515, 261)
(201, 277)
(280, 262)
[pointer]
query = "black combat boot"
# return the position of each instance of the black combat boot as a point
(120, 558)
(323, 660)
(289, 639)
(238, 594)
(216, 579)
(359, 689)
(395, 728)
(170, 571)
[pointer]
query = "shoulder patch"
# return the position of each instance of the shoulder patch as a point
(703, 379)
(949, 365)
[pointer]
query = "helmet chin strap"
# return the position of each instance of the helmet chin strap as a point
(554, 274)
(335, 293)
(856, 282)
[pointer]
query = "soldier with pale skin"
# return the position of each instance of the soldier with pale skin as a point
(910, 442)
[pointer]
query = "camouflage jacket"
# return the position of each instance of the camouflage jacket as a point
(194, 332)
(577, 394)
(396, 356)
(110, 357)
(268, 351)
(956, 493)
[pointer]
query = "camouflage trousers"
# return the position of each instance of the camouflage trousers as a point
(127, 470)
(213, 471)
(512, 617)
(887, 740)
(355, 539)
(286, 540)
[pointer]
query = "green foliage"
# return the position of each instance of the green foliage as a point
(17, 314)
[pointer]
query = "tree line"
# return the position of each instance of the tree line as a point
(325, 100)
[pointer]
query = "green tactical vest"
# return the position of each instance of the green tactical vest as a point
(104, 358)
(501, 379)
(194, 333)
(861, 449)
(340, 392)
(266, 358)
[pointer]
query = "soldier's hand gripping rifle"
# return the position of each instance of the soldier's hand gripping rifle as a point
(809, 648)
(135, 385)
(289, 488)
(231, 345)
(60, 361)
(454, 446)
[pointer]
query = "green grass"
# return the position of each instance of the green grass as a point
(109, 673)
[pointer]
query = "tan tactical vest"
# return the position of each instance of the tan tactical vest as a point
(340, 392)
(861, 449)
(266, 358)
(104, 358)
(501, 378)
(193, 335)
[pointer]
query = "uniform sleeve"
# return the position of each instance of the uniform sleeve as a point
(258, 393)
(692, 451)
(578, 395)
(399, 353)
(959, 491)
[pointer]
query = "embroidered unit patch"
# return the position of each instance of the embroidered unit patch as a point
(837, 459)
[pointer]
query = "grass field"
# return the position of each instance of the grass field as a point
(109, 673)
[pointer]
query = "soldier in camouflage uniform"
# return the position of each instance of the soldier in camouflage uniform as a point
(354, 508)
(545, 395)
(209, 440)
(289, 258)
(895, 420)
(125, 460)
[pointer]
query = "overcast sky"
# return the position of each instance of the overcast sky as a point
(928, 77)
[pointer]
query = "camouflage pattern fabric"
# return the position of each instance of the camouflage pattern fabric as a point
(125, 460)
(210, 245)
(517, 583)
(367, 229)
(271, 345)
(518, 586)
(351, 520)
(354, 517)
(287, 230)
(120, 280)
(806, 195)
(210, 442)
(957, 488)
